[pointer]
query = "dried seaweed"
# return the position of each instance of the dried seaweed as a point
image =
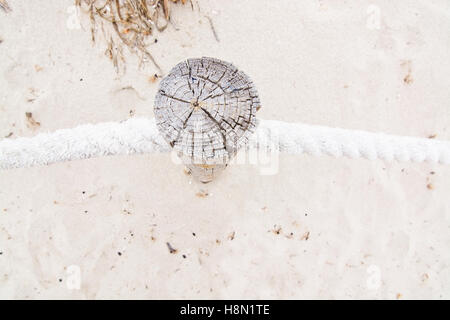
(31, 123)
(5, 6)
(128, 22)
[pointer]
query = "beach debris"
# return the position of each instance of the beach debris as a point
(276, 229)
(202, 194)
(205, 109)
(407, 65)
(171, 249)
(5, 6)
(129, 23)
(132, 89)
(305, 236)
(408, 79)
(153, 78)
(211, 25)
(31, 123)
(290, 235)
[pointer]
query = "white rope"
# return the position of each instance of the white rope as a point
(299, 138)
(138, 135)
(85, 141)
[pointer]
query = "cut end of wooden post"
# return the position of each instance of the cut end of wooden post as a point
(205, 109)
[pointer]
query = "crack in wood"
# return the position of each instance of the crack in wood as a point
(206, 139)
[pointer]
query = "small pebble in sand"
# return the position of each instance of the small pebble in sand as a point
(290, 235)
(430, 186)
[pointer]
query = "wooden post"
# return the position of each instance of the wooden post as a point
(205, 109)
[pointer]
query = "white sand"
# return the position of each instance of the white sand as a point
(360, 229)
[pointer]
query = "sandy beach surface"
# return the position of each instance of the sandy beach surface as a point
(317, 227)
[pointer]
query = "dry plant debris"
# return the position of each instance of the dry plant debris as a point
(305, 236)
(172, 250)
(5, 6)
(128, 22)
(31, 123)
(407, 65)
(202, 194)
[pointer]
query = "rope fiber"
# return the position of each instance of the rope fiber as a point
(140, 135)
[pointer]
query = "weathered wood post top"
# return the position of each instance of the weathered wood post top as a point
(205, 109)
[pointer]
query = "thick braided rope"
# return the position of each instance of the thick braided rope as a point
(296, 138)
(139, 135)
